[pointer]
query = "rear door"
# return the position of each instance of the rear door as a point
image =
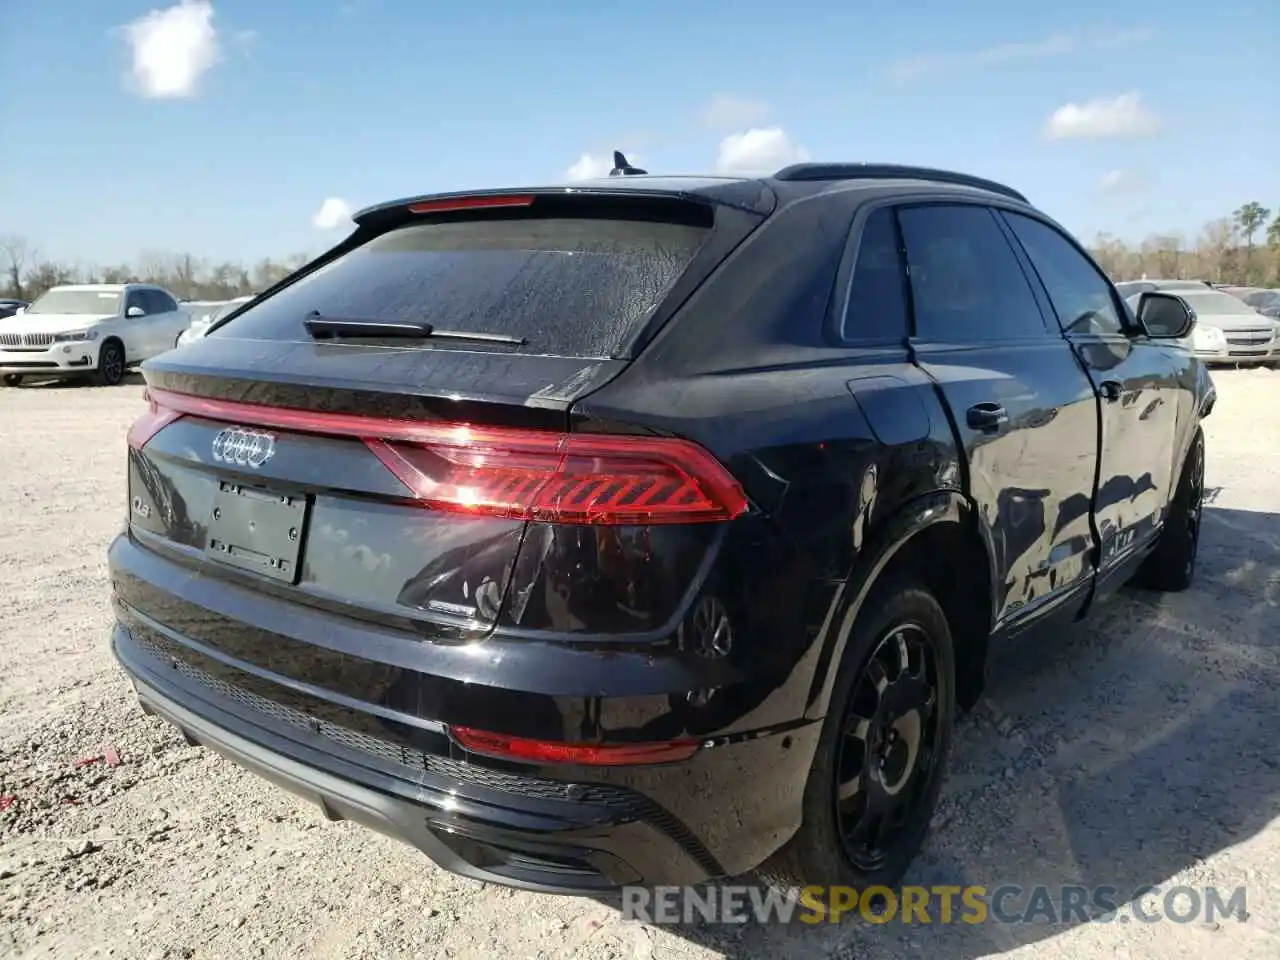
(1023, 408)
(1139, 381)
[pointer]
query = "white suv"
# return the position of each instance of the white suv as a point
(94, 330)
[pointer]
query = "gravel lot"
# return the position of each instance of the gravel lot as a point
(1140, 749)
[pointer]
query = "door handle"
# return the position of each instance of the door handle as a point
(987, 417)
(1110, 389)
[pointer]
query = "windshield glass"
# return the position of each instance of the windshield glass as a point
(569, 287)
(100, 303)
(1211, 303)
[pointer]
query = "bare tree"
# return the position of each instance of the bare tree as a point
(1111, 254)
(18, 254)
(1217, 247)
(46, 274)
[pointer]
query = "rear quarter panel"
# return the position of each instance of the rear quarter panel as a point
(829, 441)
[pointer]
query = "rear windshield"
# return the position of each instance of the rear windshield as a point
(569, 287)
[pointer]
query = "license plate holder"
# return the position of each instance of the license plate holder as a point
(257, 529)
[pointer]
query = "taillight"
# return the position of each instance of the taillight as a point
(521, 474)
(566, 478)
(583, 754)
(150, 423)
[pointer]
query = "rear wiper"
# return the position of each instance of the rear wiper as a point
(335, 328)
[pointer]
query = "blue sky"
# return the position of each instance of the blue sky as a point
(221, 129)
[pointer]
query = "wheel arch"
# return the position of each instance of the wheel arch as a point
(936, 540)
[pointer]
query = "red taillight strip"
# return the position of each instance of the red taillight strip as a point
(150, 423)
(339, 424)
(582, 754)
(448, 204)
(540, 475)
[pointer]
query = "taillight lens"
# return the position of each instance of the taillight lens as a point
(566, 478)
(150, 423)
(521, 474)
(583, 754)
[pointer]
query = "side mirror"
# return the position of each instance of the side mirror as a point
(135, 312)
(1165, 316)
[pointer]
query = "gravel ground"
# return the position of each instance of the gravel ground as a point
(1139, 749)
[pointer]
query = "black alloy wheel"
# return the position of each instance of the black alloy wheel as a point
(882, 754)
(1171, 566)
(886, 760)
(110, 364)
(1194, 512)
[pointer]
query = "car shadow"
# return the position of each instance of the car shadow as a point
(131, 378)
(1119, 753)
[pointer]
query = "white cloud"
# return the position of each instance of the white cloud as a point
(729, 112)
(1102, 118)
(1120, 182)
(758, 151)
(1059, 44)
(172, 48)
(332, 213)
(589, 166)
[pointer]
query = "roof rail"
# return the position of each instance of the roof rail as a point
(890, 171)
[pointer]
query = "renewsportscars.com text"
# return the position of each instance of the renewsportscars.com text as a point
(941, 904)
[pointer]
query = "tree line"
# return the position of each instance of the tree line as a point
(25, 272)
(1234, 249)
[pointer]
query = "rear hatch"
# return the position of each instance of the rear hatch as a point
(375, 435)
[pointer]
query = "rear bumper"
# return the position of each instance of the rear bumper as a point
(566, 847)
(569, 830)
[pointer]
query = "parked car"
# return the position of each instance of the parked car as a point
(1129, 288)
(199, 326)
(1266, 302)
(10, 307)
(649, 529)
(94, 330)
(1227, 330)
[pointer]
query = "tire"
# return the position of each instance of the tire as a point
(1172, 564)
(822, 852)
(110, 364)
(13, 379)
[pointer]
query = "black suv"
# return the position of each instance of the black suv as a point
(649, 529)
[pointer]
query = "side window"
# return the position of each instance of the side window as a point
(136, 298)
(1081, 296)
(966, 281)
(161, 302)
(877, 307)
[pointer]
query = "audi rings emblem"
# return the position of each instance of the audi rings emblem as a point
(243, 448)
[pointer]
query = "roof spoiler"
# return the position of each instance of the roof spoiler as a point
(891, 171)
